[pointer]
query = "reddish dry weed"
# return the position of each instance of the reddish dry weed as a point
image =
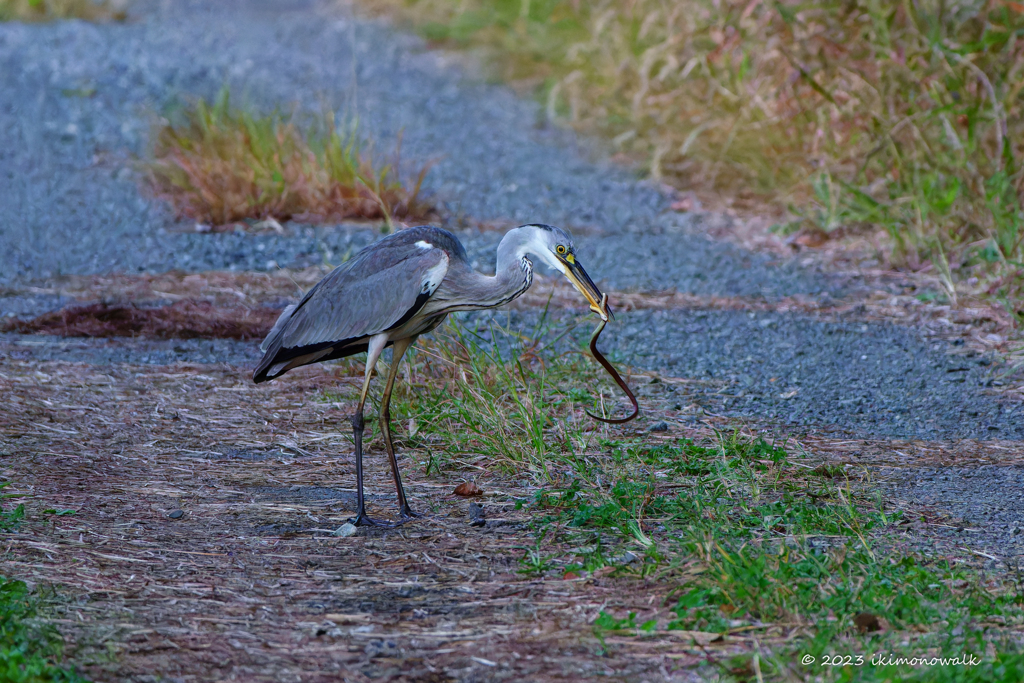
(181, 320)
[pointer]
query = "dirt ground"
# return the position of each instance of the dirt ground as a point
(248, 583)
(201, 545)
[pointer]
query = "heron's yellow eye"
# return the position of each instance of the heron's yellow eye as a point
(560, 249)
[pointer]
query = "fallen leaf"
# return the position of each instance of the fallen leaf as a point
(867, 622)
(812, 239)
(467, 489)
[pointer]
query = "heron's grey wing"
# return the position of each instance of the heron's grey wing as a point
(355, 303)
(378, 290)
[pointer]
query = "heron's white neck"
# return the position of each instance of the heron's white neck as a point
(513, 275)
(513, 272)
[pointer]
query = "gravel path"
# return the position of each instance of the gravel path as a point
(988, 501)
(79, 98)
(878, 380)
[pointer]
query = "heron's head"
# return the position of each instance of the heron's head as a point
(555, 247)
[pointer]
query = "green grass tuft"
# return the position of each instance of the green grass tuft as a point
(490, 394)
(220, 164)
(11, 518)
(30, 650)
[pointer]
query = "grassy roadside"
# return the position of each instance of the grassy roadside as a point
(219, 164)
(736, 537)
(49, 10)
(31, 651)
(902, 117)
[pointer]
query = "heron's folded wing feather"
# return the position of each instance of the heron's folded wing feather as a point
(368, 297)
(276, 330)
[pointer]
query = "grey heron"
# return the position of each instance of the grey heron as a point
(399, 288)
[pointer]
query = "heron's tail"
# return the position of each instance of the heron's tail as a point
(278, 326)
(270, 346)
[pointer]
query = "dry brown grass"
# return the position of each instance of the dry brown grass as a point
(48, 10)
(902, 116)
(180, 320)
(220, 164)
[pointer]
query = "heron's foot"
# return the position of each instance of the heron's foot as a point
(362, 519)
(408, 515)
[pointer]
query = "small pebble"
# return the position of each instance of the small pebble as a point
(477, 517)
(381, 648)
(175, 514)
(659, 427)
(345, 530)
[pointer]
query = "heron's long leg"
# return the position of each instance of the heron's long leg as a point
(400, 347)
(373, 351)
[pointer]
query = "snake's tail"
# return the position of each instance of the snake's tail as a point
(615, 375)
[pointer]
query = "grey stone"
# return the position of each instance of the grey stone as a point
(477, 515)
(346, 530)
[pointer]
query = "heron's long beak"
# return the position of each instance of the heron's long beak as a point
(578, 277)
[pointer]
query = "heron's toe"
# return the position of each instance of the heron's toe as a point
(363, 519)
(407, 514)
